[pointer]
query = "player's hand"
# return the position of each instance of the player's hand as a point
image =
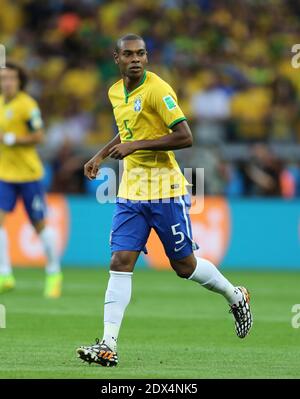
(91, 168)
(120, 151)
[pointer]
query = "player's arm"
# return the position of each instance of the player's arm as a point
(32, 119)
(92, 166)
(34, 138)
(163, 101)
(181, 137)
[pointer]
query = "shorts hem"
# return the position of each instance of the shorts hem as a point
(7, 210)
(180, 256)
(129, 249)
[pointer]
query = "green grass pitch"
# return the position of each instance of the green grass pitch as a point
(173, 328)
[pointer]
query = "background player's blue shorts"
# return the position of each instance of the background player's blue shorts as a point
(133, 220)
(32, 194)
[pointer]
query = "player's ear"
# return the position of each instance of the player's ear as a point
(116, 57)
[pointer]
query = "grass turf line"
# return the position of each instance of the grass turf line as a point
(173, 328)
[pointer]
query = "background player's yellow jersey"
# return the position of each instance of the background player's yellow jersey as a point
(21, 116)
(148, 112)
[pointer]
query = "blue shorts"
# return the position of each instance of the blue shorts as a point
(32, 194)
(133, 220)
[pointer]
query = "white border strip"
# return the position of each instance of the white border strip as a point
(185, 216)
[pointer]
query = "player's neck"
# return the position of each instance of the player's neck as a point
(131, 84)
(8, 97)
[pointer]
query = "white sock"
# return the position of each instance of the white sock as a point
(209, 277)
(117, 297)
(47, 236)
(5, 267)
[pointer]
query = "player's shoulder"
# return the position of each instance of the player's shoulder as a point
(157, 84)
(27, 100)
(116, 87)
(153, 78)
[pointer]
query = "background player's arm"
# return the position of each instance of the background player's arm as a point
(180, 138)
(34, 138)
(92, 166)
(31, 117)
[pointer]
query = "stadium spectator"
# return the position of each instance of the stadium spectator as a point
(284, 112)
(211, 108)
(229, 61)
(262, 174)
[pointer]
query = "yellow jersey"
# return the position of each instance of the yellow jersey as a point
(21, 116)
(146, 113)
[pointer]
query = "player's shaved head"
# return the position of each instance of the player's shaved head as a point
(131, 56)
(126, 38)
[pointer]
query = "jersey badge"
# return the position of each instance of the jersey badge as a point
(9, 114)
(170, 103)
(137, 104)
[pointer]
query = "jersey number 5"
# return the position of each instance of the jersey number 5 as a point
(129, 131)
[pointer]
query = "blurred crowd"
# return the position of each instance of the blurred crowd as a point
(228, 60)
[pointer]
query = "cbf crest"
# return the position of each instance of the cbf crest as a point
(137, 104)
(9, 114)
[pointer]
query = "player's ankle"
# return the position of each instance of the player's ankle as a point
(111, 342)
(53, 269)
(235, 297)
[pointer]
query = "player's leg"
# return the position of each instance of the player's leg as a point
(117, 297)
(8, 200)
(173, 226)
(118, 294)
(174, 230)
(129, 234)
(35, 205)
(206, 273)
(5, 266)
(54, 276)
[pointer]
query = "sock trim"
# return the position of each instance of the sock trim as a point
(194, 272)
(120, 273)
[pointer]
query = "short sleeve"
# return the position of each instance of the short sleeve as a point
(33, 116)
(164, 101)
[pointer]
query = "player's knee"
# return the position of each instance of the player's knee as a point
(182, 273)
(121, 262)
(184, 267)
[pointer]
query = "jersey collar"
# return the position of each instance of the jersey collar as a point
(127, 93)
(11, 99)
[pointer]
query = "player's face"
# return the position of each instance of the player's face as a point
(132, 58)
(9, 81)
